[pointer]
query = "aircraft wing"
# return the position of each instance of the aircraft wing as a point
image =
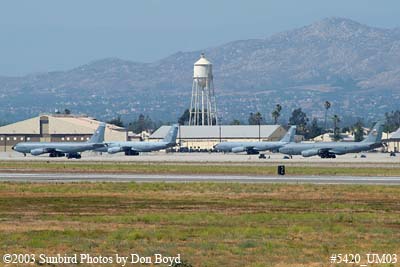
(116, 149)
(247, 149)
(99, 145)
(271, 146)
(322, 152)
(256, 148)
(43, 150)
(312, 152)
(132, 148)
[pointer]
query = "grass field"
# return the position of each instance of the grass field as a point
(209, 224)
(191, 168)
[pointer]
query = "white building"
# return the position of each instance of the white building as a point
(205, 137)
(393, 141)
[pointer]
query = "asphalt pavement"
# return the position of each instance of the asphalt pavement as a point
(93, 177)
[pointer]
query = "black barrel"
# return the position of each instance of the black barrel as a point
(281, 169)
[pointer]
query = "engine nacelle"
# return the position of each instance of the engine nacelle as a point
(38, 151)
(310, 153)
(113, 150)
(238, 149)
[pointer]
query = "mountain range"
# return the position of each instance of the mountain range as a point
(354, 66)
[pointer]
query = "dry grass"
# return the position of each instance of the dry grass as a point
(209, 224)
(195, 168)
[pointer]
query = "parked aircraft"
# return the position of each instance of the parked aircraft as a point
(134, 148)
(61, 149)
(256, 147)
(331, 149)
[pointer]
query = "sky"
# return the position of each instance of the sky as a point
(51, 35)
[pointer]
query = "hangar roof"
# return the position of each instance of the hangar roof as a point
(58, 124)
(222, 131)
(395, 135)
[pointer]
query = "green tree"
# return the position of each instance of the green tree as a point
(116, 121)
(346, 129)
(142, 123)
(314, 130)
(327, 105)
(67, 111)
(358, 131)
(255, 118)
(276, 113)
(299, 118)
(235, 122)
(392, 121)
(184, 118)
(336, 129)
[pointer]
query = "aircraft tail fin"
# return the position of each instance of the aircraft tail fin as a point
(98, 135)
(375, 136)
(170, 138)
(289, 136)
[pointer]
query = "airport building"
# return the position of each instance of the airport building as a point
(205, 137)
(393, 141)
(55, 128)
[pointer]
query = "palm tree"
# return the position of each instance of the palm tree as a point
(327, 106)
(276, 113)
(258, 118)
(336, 120)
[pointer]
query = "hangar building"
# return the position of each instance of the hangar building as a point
(393, 142)
(55, 128)
(205, 137)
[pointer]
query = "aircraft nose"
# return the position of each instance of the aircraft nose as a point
(13, 148)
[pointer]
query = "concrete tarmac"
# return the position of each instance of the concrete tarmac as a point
(93, 177)
(161, 156)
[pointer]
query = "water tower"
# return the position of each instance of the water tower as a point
(203, 107)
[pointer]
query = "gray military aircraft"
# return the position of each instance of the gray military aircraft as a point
(256, 147)
(134, 148)
(331, 149)
(61, 149)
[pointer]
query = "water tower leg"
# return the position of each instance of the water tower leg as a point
(202, 107)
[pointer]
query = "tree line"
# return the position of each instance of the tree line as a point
(306, 127)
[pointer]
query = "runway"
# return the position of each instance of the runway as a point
(93, 177)
(354, 160)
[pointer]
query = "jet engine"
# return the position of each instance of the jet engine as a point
(310, 152)
(238, 149)
(113, 150)
(38, 151)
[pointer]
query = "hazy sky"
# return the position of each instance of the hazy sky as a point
(48, 35)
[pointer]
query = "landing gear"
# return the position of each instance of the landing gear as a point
(327, 155)
(56, 154)
(252, 152)
(131, 153)
(74, 156)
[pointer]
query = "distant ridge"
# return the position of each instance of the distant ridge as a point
(335, 58)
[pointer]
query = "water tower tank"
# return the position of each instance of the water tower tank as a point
(203, 107)
(202, 70)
